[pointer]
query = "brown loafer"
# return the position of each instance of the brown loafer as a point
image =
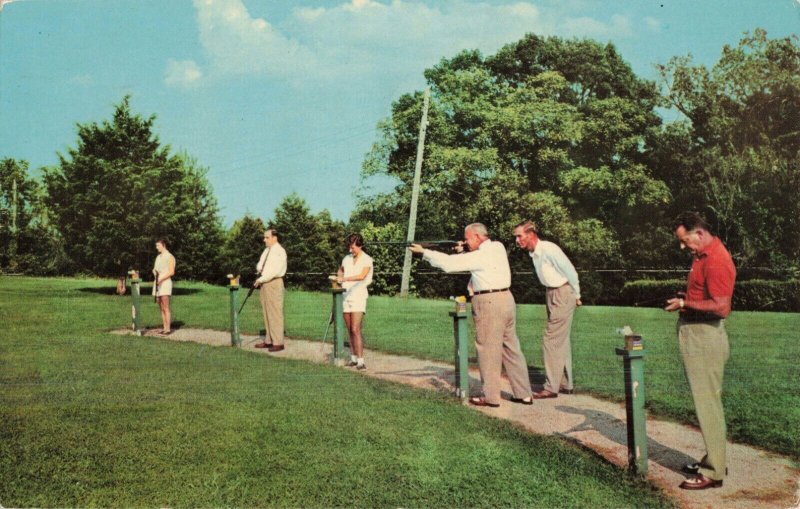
(700, 482)
(482, 402)
(263, 345)
(544, 395)
(276, 348)
(566, 391)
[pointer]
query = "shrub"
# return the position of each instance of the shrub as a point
(750, 295)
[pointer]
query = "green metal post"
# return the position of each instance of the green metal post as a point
(634, 409)
(339, 330)
(461, 353)
(136, 300)
(236, 340)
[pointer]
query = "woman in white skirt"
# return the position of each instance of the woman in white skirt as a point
(163, 270)
(355, 275)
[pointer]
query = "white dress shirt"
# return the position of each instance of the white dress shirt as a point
(553, 267)
(275, 265)
(488, 265)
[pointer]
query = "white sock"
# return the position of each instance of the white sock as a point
(360, 361)
(352, 358)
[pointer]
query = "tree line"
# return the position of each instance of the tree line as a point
(561, 131)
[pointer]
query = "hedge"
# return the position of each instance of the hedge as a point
(750, 295)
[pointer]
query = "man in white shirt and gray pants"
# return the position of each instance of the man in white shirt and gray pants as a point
(557, 273)
(271, 269)
(494, 312)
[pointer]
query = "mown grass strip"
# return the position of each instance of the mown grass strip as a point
(89, 418)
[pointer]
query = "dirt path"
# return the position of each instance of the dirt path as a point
(757, 479)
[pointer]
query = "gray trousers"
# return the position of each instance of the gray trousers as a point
(496, 341)
(556, 344)
(271, 296)
(705, 350)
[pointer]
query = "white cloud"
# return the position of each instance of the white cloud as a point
(372, 39)
(652, 23)
(82, 79)
(237, 43)
(619, 26)
(182, 73)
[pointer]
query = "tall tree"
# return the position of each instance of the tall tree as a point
(547, 129)
(28, 243)
(119, 190)
(737, 153)
(313, 243)
(243, 245)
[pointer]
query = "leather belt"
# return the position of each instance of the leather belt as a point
(492, 291)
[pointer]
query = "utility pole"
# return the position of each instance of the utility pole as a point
(412, 216)
(14, 207)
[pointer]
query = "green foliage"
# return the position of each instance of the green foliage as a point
(749, 295)
(244, 243)
(119, 190)
(738, 156)
(650, 292)
(767, 295)
(313, 243)
(547, 129)
(28, 242)
(387, 258)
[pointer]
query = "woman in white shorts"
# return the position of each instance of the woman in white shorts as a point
(355, 275)
(163, 270)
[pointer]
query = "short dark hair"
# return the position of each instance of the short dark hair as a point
(690, 221)
(162, 241)
(354, 239)
(274, 233)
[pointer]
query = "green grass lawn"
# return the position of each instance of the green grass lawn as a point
(89, 418)
(762, 380)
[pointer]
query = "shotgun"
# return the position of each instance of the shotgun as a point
(427, 244)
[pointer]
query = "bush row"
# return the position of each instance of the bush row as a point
(750, 295)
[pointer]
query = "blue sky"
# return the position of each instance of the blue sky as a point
(275, 97)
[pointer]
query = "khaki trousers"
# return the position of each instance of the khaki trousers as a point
(704, 349)
(271, 296)
(556, 344)
(496, 341)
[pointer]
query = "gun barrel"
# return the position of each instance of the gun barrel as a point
(423, 243)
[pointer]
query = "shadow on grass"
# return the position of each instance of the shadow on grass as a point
(145, 289)
(616, 430)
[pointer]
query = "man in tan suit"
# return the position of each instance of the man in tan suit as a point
(494, 312)
(563, 295)
(271, 269)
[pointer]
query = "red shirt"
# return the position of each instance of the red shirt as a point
(713, 273)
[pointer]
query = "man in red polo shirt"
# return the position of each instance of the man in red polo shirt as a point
(703, 341)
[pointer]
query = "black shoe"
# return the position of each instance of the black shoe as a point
(694, 469)
(566, 391)
(352, 364)
(361, 367)
(522, 401)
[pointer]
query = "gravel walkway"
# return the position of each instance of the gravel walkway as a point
(757, 479)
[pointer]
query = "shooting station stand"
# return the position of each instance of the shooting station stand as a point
(634, 408)
(233, 287)
(339, 329)
(136, 301)
(461, 350)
